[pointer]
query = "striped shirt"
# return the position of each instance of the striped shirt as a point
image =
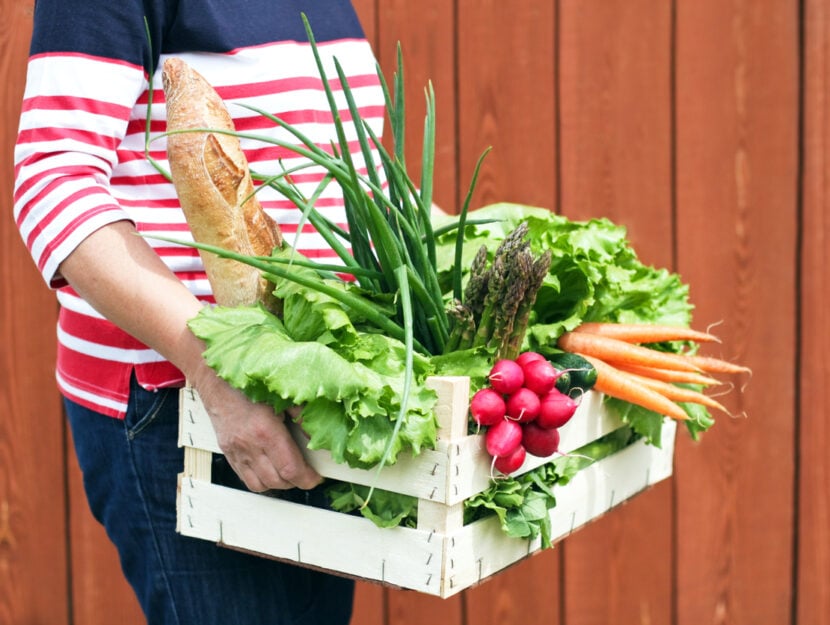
(80, 159)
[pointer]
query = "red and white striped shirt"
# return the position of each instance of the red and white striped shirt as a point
(80, 163)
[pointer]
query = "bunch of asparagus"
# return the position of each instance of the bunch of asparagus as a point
(498, 297)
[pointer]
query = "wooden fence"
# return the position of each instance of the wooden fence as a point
(701, 125)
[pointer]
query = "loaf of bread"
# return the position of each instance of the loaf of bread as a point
(213, 182)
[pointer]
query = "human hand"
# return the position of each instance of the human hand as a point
(255, 441)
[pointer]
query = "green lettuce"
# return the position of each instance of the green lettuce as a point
(349, 382)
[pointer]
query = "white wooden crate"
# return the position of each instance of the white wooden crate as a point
(442, 556)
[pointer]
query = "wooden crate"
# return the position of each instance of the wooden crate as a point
(442, 556)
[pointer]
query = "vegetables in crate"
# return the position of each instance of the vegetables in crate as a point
(541, 296)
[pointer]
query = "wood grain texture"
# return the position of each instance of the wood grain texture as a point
(33, 550)
(812, 590)
(507, 100)
(615, 85)
(737, 174)
(425, 31)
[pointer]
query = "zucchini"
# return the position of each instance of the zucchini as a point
(581, 372)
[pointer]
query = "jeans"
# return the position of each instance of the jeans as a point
(129, 470)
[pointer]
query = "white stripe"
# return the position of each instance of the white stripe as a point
(104, 352)
(58, 75)
(99, 400)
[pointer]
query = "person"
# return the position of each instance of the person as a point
(84, 187)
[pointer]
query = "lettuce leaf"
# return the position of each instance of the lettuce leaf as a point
(350, 388)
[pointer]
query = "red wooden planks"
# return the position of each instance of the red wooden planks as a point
(737, 158)
(812, 590)
(33, 552)
(616, 155)
(506, 100)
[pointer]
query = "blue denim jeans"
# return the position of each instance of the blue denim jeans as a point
(129, 469)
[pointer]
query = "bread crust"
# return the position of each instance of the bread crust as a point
(213, 182)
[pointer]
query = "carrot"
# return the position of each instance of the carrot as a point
(669, 375)
(678, 393)
(710, 364)
(617, 351)
(646, 332)
(621, 385)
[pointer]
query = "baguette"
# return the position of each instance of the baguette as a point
(213, 182)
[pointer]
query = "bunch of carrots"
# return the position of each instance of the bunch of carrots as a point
(629, 370)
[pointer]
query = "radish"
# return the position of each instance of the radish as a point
(539, 441)
(508, 464)
(523, 405)
(487, 407)
(503, 438)
(526, 357)
(540, 376)
(506, 377)
(555, 409)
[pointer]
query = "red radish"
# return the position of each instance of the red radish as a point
(540, 441)
(487, 407)
(523, 405)
(540, 376)
(526, 357)
(506, 377)
(555, 409)
(508, 464)
(503, 438)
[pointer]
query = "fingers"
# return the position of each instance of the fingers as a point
(265, 456)
(258, 445)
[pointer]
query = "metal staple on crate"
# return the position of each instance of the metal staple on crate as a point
(611, 503)
(299, 556)
(434, 469)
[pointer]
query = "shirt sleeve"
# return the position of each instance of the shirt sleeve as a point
(81, 87)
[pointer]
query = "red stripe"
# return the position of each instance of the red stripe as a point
(48, 134)
(76, 103)
(259, 122)
(59, 176)
(278, 86)
(49, 249)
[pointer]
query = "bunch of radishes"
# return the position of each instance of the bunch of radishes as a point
(522, 410)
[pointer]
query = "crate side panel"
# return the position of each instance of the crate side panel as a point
(310, 536)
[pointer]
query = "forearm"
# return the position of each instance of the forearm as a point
(119, 274)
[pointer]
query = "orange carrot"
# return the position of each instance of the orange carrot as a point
(616, 351)
(646, 332)
(678, 393)
(669, 375)
(716, 365)
(616, 383)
